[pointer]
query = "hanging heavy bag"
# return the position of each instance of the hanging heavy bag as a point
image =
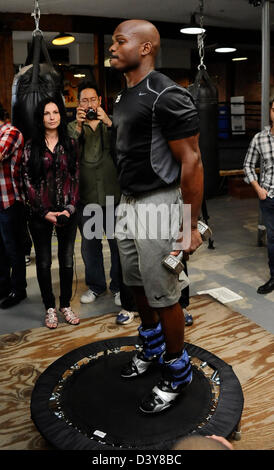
(205, 95)
(34, 82)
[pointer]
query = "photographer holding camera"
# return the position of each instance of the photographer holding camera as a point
(89, 110)
(98, 179)
(51, 185)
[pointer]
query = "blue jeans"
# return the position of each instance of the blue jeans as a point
(267, 208)
(92, 254)
(12, 250)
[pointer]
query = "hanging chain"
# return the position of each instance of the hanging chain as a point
(201, 37)
(36, 15)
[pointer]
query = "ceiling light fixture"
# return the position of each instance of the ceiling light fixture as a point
(192, 27)
(238, 59)
(79, 75)
(62, 39)
(225, 49)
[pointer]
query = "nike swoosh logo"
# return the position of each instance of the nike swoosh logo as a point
(158, 298)
(142, 94)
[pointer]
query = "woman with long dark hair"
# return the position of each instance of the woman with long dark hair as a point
(51, 184)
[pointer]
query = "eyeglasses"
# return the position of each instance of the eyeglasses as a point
(88, 100)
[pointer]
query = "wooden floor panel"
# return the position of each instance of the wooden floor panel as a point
(248, 348)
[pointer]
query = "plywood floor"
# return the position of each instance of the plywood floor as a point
(248, 348)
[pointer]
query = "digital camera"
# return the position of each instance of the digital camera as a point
(91, 114)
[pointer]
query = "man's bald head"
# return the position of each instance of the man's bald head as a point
(144, 30)
(135, 46)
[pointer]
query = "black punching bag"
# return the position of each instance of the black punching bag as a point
(205, 95)
(34, 82)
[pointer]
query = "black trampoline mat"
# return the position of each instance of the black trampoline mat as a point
(81, 402)
(96, 399)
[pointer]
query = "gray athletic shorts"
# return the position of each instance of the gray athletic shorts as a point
(146, 229)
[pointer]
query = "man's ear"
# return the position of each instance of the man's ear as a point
(146, 48)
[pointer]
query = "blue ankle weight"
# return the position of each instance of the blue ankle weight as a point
(153, 341)
(178, 370)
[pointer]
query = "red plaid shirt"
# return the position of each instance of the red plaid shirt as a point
(11, 148)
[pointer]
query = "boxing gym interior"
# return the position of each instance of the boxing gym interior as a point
(53, 382)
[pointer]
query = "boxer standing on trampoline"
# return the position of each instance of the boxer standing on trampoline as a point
(156, 126)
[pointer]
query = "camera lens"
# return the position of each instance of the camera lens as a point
(91, 114)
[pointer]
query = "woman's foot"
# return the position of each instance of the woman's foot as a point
(51, 319)
(70, 316)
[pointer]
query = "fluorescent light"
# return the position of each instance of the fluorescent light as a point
(79, 75)
(63, 39)
(236, 59)
(192, 30)
(225, 49)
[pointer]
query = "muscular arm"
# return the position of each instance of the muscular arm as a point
(187, 153)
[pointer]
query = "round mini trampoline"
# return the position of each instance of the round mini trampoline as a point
(80, 402)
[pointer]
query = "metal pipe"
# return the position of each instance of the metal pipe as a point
(265, 63)
(265, 92)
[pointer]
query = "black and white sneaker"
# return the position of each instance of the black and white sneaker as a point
(153, 346)
(124, 317)
(177, 375)
(162, 396)
(138, 365)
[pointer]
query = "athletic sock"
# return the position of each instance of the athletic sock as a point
(170, 356)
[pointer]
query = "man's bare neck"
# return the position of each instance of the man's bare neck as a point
(134, 77)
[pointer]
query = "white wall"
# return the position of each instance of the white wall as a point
(20, 52)
(81, 53)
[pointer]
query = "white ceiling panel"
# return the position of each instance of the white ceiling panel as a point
(226, 13)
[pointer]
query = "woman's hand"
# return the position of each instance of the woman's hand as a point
(64, 215)
(65, 212)
(52, 217)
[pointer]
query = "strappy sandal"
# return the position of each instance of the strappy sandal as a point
(51, 319)
(70, 316)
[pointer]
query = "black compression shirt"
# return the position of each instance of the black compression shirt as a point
(145, 118)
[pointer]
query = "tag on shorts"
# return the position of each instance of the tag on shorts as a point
(183, 279)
